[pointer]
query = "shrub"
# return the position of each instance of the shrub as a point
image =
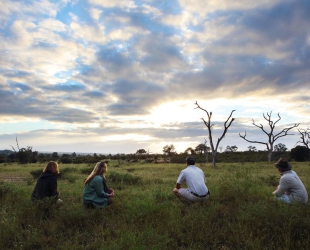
(124, 178)
(300, 153)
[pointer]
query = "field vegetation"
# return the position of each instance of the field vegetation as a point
(240, 214)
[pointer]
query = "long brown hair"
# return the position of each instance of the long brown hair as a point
(99, 169)
(51, 167)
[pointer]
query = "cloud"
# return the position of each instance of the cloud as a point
(133, 68)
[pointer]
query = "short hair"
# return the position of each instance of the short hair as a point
(51, 167)
(190, 161)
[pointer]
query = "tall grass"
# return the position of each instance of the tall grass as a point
(240, 214)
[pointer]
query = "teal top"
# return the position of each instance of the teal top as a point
(94, 193)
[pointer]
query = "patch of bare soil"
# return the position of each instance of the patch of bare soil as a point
(12, 178)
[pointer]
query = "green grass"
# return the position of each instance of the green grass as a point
(241, 213)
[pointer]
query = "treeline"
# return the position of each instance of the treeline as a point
(299, 153)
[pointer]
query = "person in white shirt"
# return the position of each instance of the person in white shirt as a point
(290, 189)
(195, 180)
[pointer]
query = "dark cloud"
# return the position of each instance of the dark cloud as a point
(65, 87)
(134, 97)
(94, 94)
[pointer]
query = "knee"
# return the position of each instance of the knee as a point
(110, 201)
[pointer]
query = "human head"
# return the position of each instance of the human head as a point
(51, 167)
(190, 161)
(283, 165)
(100, 168)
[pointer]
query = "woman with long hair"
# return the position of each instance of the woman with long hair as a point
(96, 193)
(46, 186)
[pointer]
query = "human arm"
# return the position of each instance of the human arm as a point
(282, 187)
(52, 187)
(178, 186)
(99, 187)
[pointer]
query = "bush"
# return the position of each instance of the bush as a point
(300, 153)
(124, 178)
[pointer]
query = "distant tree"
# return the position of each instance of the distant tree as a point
(209, 126)
(169, 150)
(280, 148)
(272, 137)
(190, 151)
(305, 137)
(300, 153)
(231, 148)
(2, 157)
(65, 159)
(141, 151)
(54, 156)
(42, 157)
(252, 149)
(202, 149)
(23, 155)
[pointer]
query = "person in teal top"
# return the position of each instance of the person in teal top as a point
(96, 193)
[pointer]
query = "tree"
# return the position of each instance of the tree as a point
(280, 147)
(169, 150)
(252, 149)
(231, 148)
(305, 137)
(201, 149)
(23, 155)
(300, 153)
(272, 137)
(190, 151)
(55, 156)
(208, 124)
(141, 151)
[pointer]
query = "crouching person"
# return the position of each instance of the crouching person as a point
(96, 193)
(194, 177)
(46, 190)
(290, 189)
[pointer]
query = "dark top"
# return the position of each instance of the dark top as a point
(46, 187)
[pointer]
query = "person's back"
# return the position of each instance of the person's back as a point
(46, 186)
(294, 187)
(195, 180)
(290, 189)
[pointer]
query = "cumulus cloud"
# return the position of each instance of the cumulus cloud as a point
(105, 68)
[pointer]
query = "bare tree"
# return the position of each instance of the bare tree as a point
(305, 137)
(208, 149)
(208, 124)
(272, 137)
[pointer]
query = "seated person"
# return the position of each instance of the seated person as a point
(96, 193)
(291, 188)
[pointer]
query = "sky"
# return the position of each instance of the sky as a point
(109, 77)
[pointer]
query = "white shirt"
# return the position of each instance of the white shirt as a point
(194, 178)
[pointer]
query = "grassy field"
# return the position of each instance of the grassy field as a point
(240, 214)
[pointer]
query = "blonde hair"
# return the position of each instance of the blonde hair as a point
(51, 167)
(99, 169)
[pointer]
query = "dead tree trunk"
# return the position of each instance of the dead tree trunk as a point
(206, 150)
(305, 137)
(208, 124)
(271, 136)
